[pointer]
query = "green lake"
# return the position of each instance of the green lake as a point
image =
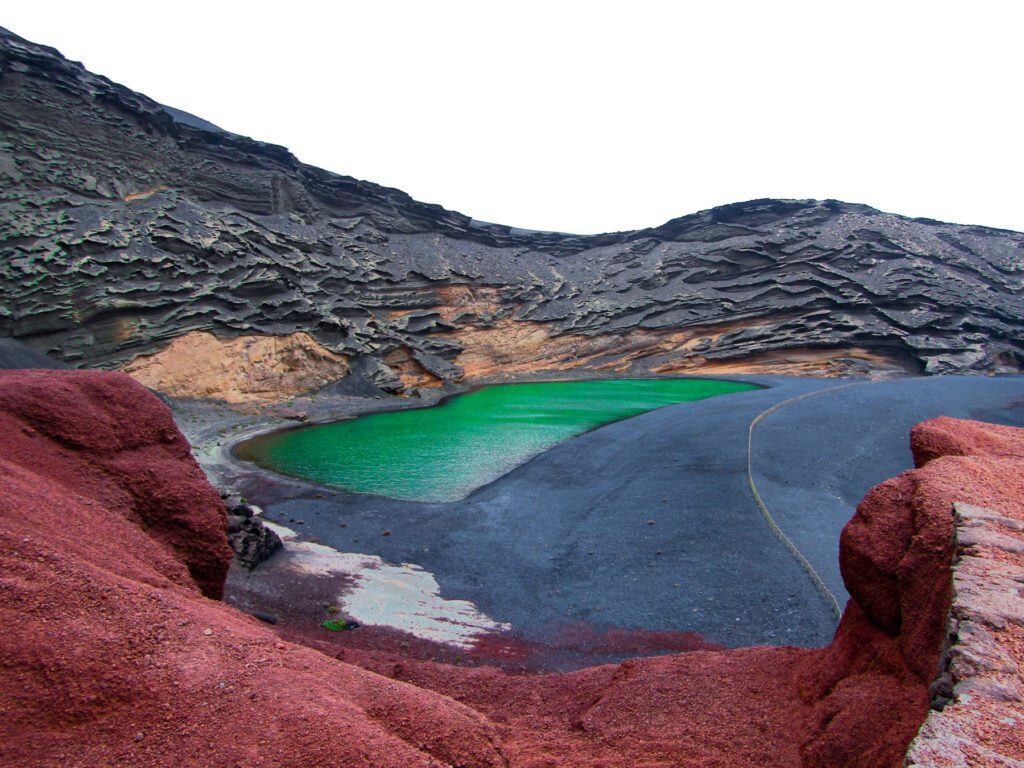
(444, 452)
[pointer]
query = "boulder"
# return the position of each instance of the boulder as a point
(251, 541)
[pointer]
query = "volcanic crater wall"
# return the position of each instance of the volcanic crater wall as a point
(124, 228)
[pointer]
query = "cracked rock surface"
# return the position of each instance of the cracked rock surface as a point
(979, 698)
(125, 227)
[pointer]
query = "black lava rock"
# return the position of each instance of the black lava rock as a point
(125, 226)
(250, 539)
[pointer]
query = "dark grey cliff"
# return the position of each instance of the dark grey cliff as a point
(123, 227)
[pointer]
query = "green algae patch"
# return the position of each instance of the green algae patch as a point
(339, 625)
(447, 451)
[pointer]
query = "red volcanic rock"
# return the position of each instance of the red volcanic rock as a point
(113, 653)
(957, 437)
(896, 552)
(113, 444)
(872, 546)
(110, 653)
(980, 724)
(871, 683)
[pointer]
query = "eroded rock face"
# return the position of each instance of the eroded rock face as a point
(896, 556)
(126, 228)
(978, 713)
(241, 369)
(982, 691)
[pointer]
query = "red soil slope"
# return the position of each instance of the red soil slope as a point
(114, 653)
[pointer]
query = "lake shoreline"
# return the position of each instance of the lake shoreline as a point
(215, 428)
(813, 462)
(461, 443)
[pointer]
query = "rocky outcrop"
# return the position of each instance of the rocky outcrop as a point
(978, 699)
(112, 655)
(112, 543)
(241, 369)
(250, 540)
(125, 228)
(896, 556)
(103, 447)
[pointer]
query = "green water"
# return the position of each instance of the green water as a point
(445, 452)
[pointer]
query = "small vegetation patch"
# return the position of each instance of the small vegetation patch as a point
(339, 625)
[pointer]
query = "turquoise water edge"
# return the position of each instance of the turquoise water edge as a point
(444, 452)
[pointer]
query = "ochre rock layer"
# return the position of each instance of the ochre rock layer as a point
(112, 547)
(240, 369)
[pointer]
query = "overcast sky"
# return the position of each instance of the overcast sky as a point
(589, 117)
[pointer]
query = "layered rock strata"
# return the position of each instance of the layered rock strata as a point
(126, 227)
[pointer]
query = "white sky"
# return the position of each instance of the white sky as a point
(590, 116)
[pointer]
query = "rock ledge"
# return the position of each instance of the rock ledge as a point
(979, 699)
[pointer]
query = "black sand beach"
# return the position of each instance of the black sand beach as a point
(649, 523)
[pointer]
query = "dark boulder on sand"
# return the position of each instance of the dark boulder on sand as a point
(251, 541)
